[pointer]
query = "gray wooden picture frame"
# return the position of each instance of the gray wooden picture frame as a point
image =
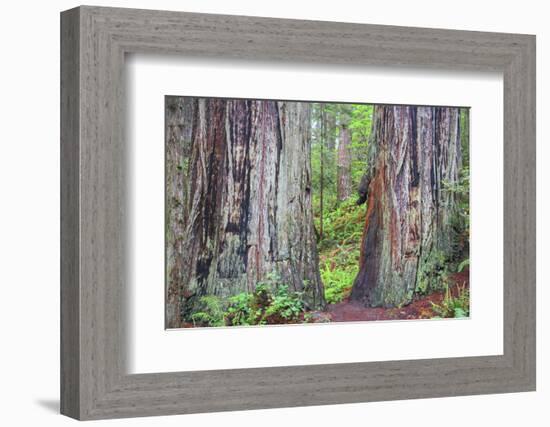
(94, 382)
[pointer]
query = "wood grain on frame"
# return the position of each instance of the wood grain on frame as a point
(94, 233)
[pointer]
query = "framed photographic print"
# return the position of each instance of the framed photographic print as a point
(349, 209)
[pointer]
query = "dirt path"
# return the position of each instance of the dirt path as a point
(420, 308)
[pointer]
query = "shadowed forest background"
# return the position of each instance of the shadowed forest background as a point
(283, 212)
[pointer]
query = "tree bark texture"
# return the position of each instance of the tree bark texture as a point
(417, 152)
(248, 214)
(344, 164)
(322, 170)
(179, 125)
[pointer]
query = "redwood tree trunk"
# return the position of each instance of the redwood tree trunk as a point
(179, 126)
(323, 141)
(408, 223)
(344, 164)
(248, 214)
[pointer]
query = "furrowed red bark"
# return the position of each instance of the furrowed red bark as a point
(248, 214)
(408, 221)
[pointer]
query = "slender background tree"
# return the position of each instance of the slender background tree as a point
(344, 184)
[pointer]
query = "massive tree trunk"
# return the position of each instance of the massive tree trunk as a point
(344, 163)
(408, 235)
(179, 126)
(248, 214)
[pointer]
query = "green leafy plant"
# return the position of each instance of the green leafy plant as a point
(450, 306)
(339, 249)
(284, 305)
(210, 312)
(240, 310)
(337, 282)
(271, 302)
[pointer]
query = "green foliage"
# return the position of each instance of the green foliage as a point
(240, 311)
(339, 249)
(327, 121)
(458, 306)
(210, 312)
(284, 305)
(271, 303)
(337, 281)
(341, 223)
(360, 126)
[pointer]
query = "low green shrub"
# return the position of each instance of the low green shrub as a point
(285, 306)
(339, 248)
(337, 281)
(458, 306)
(240, 310)
(271, 303)
(210, 312)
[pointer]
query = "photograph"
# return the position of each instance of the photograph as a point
(293, 212)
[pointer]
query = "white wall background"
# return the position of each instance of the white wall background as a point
(29, 213)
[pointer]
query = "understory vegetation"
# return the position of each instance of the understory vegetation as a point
(339, 249)
(271, 303)
(453, 306)
(340, 142)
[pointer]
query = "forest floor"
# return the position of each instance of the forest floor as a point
(420, 308)
(435, 305)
